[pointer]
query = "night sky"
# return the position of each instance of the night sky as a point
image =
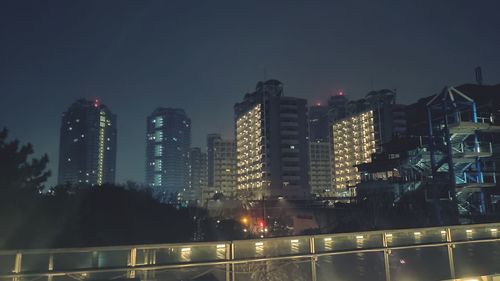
(204, 55)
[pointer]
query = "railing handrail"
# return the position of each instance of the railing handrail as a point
(228, 242)
(239, 260)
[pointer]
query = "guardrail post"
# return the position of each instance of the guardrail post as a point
(228, 265)
(450, 253)
(231, 259)
(152, 260)
(312, 251)
(95, 259)
(17, 265)
(386, 258)
(132, 261)
(51, 266)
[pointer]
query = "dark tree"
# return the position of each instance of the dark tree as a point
(17, 170)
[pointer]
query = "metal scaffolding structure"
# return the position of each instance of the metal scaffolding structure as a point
(457, 154)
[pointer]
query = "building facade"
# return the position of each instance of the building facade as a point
(337, 106)
(168, 143)
(272, 152)
(320, 171)
(354, 143)
(222, 165)
(197, 174)
(320, 166)
(319, 129)
(368, 124)
(87, 146)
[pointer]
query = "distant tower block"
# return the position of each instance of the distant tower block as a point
(479, 75)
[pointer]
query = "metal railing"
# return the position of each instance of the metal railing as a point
(453, 251)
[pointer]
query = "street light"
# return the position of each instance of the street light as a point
(244, 220)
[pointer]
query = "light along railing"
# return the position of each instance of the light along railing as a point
(233, 257)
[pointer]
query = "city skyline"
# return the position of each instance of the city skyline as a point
(189, 69)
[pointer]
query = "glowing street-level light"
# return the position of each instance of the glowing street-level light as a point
(244, 220)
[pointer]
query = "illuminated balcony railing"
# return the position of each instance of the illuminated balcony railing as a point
(439, 253)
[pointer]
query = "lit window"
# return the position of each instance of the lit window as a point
(158, 136)
(157, 180)
(158, 150)
(158, 121)
(157, 165)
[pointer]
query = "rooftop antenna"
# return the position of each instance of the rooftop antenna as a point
(265, 74)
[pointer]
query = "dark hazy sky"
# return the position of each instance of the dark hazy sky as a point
(204, 55)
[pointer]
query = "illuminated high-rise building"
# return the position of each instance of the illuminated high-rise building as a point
(221, 165)
(87, 147)
(272, 153)
(367, 125)
(354, 139)
(168, 143)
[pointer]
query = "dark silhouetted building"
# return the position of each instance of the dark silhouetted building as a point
(197, 174)
(319, 129)
(320, 169)
(271, 144)
(87, 148)
(221, 165)
(337, 106)
(167, 153)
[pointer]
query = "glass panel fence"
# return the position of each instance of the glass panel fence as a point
(474, 259)
(34, 262)
(355, 267)
(7, 263)
(414, 254)
(348, 241)
(74, 260)
(415, 237)
(112, 258)
(472, 232)
(183, 253)
(289, 269)
(274, 247)
(430, 263)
